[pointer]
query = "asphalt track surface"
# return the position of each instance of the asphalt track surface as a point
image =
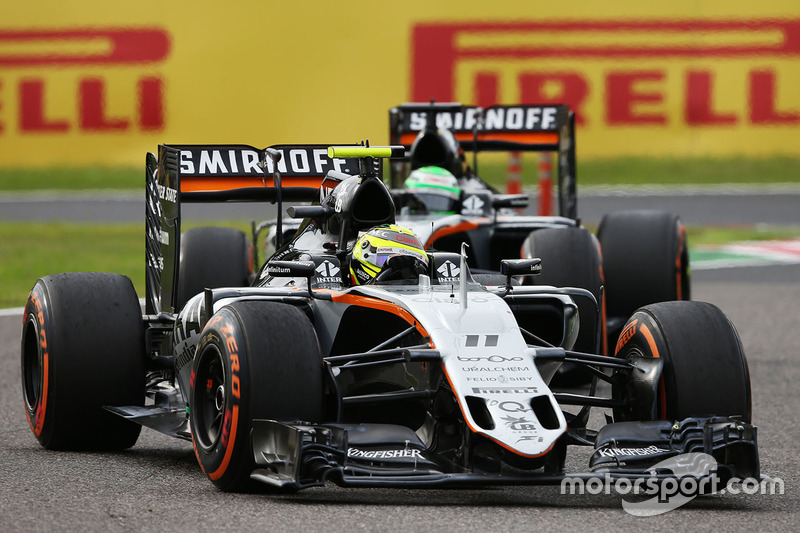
(158, 486)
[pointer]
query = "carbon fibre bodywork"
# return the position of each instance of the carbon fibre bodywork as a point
(435, 380)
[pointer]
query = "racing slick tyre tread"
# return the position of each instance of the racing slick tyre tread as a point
(255, 360)
(571, 258)
(705, 370)
(645, 260)
(82, 348)
(212, 257)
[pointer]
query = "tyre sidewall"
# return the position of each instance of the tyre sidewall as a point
(642, 336)
(705, 370)
(226, 458)
(37, 380)
(87, 330)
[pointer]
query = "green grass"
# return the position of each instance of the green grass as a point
(690, 171)
(32, 250)
(618, 171)
(666, 171)
(69, 178)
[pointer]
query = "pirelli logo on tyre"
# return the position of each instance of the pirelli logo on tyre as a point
(624, 75)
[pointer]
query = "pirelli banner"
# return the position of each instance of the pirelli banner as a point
(89, 83)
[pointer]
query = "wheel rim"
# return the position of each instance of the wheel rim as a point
(32, 378)
(208, 408)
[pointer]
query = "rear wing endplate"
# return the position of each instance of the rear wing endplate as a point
(219, 173)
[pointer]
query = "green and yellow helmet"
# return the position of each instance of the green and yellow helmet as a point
(437, 188)
(376, 246)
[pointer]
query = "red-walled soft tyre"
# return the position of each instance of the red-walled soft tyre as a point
(705, 370)
(255, 360)
(82, 348)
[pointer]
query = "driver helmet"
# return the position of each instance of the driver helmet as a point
(374, 248)
(439, 148)
(436, 187)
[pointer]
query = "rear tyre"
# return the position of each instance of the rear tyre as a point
(705, 369)
(255, 360)
(645, 260)
(212, 257)
(82, 348)
(571, 258)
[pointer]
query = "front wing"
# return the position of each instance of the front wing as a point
(297, 456)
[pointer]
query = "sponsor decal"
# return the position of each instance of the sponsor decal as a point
(439, 180)
(512, 407)
(499, 379)
(327, 271)
(155, 261)
(500, 118)
(495, 368)
(505, 390)
(448, 270)
(245, 161)
(412, 253)
(362, 275)
(491, 359)
(690, 65)
(518, 423)
(186, 353)
(625, 336)
(612, 451)
(167, 193)
(407, 239)
(357, 453)
(93, 52)
(473, 205)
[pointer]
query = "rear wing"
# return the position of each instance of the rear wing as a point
(219, 173)
(506, 128)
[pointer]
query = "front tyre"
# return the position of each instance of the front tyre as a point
(705, 370)
(82, 348)
(255, 360)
